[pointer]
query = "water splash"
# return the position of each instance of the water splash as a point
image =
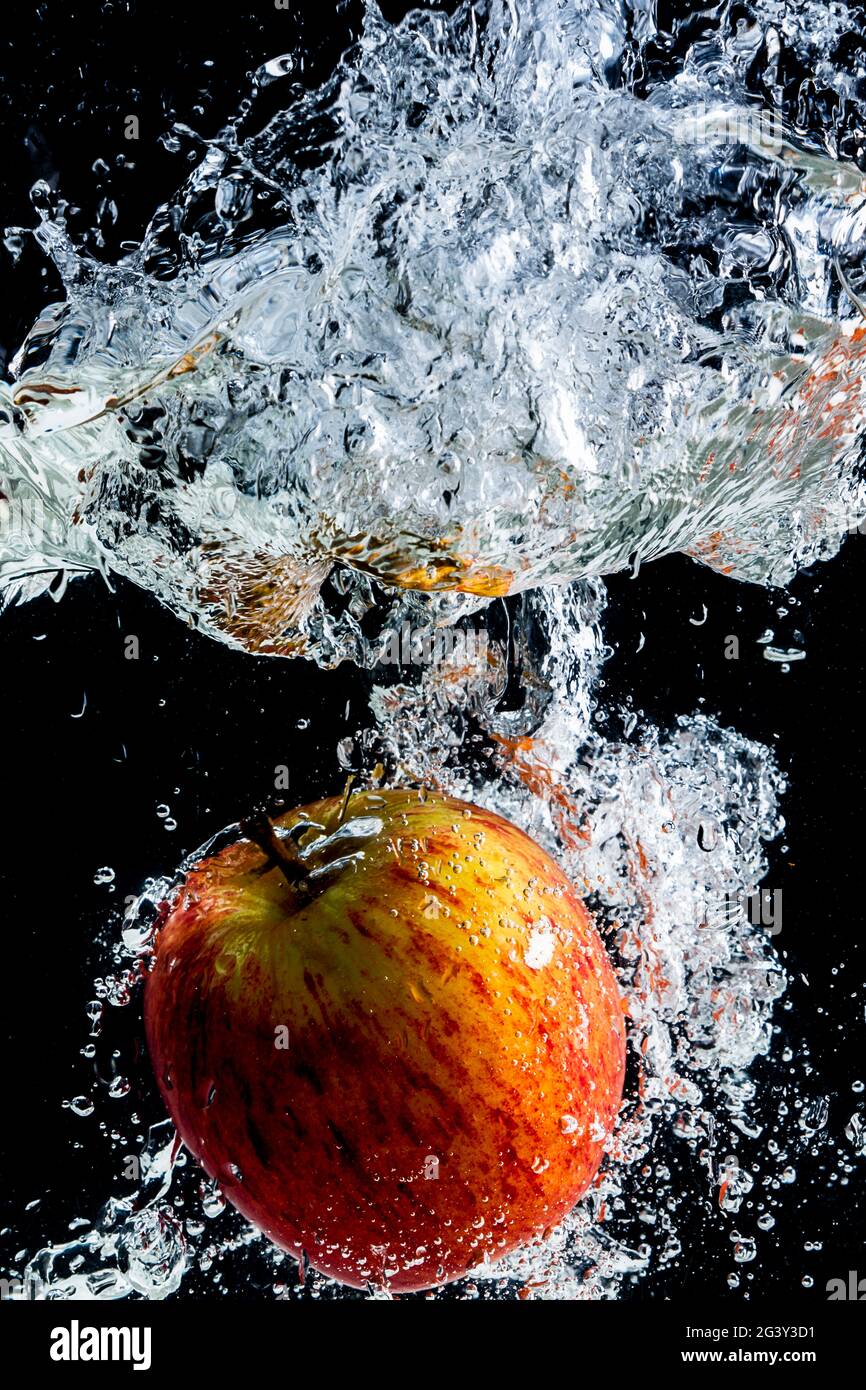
(137, 1247)
(506, 301)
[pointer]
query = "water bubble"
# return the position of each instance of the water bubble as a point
(81, 1105)
(275, 69)
(213, 1203)
(734, 1184)
(15, 241)
(855, 1133)
(815, 1114)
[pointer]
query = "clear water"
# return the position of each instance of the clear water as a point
(489, 313)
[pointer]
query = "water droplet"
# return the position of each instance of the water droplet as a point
(855, 1133)
(82, 1105)
(213, 1202)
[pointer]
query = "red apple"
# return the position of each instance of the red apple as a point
(394, 1040)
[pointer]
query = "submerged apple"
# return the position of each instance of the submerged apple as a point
(389, 1030)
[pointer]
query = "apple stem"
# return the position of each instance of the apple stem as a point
(281, 853)
(347, 792)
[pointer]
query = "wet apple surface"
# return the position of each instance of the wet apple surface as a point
(390, 1031)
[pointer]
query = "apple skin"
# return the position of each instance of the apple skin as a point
(454, 1065)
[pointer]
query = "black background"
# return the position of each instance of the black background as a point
(79, 793)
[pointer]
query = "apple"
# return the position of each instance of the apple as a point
(388, 1028)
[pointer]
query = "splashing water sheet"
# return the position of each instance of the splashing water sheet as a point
(433, 352)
